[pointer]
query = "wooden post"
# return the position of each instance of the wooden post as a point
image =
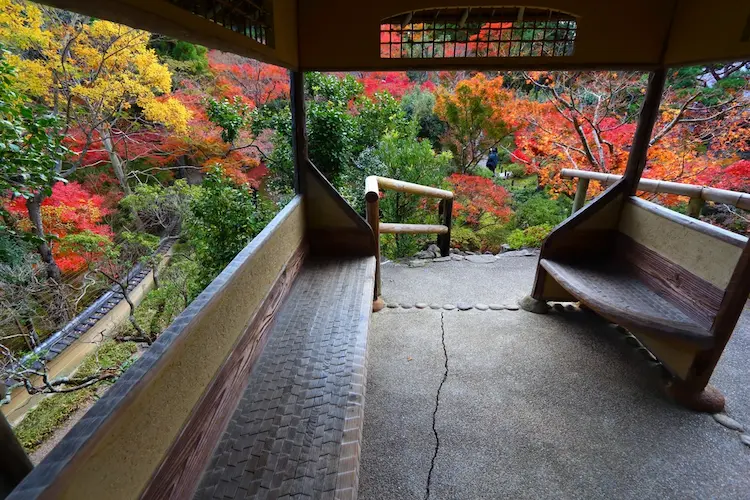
(372, 200)
(444, 240)
(646, 121)
(580, 198)
(14, 463)
(299, 137)
(695, 205)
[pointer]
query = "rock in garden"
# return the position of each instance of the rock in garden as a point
(464, 306)
(745, 438)
(424, 254)
(445, 259)
(406, 305)
(455, 256)
(481, 307)
(417, 263)
(435, 250)
(420, 305)
(728, 422)
(435, 306)
(449, 307)
(391, 305)
(481, 259)
(511, 307)
(496, 307)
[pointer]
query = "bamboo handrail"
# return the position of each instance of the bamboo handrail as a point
(373, 185)
(693, 191)
(413, 229)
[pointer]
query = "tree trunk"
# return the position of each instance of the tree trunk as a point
(115, 160)
(34, 207)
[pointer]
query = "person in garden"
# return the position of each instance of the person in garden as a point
(492, 160)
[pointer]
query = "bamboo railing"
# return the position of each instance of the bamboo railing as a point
(698, 195)
(374, 184)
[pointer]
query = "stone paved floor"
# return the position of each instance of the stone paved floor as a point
(555, 406)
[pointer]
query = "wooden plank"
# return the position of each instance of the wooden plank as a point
(695, 296)
(411, 188)
(178, 475)
(413, 229)
(646, 120)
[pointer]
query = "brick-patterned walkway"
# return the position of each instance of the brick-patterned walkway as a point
(297, 428)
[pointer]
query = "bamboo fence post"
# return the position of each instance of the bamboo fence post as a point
(695, 205)
(580, 198)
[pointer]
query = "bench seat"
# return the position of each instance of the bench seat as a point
(296, 428)
(610, 289)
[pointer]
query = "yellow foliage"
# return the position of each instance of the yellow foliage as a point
(107, 68)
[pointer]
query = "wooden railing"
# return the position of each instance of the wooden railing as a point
(373, 186)
(698, 195)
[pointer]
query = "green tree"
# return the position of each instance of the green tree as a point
(224, 217)
(30, 149)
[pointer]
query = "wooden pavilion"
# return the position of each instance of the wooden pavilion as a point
(257, 387)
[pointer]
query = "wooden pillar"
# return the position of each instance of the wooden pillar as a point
(444, 240)
(646, 120)
(373, 218)
(580, 199)
(299, 133)
(14, 463)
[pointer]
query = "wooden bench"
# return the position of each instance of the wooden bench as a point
(673, 281)
(255, 390)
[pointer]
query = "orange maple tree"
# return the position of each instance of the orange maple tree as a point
(587, 121)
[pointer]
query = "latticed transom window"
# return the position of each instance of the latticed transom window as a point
(252, 18)
(478, 32)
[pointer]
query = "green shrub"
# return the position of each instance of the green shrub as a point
(465, 238)
(515, 169)
(539, 210)
(531, 237)
(483, 172)
(42, 421)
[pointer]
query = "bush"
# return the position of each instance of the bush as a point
(539, 210)
(223, 218)
(465, 238)
(483, 172)
(531, 237)
(515, 169)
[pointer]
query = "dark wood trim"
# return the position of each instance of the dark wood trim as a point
(299, 137)
(181, 470)
(341, 242)
(646, 120)
(694, 224)
(361, 231)
(697, 298)
(14, 463)
(565, 231)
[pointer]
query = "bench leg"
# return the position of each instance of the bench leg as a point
(708, 399)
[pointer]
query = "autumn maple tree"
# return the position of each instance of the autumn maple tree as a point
(477, 196)
(479, 117)
(587, 121)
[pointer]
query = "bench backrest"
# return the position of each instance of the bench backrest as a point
(689, 261)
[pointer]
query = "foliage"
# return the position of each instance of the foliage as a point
(224, 212)
(419, 106)
(42, 421)
(479, 114)
(586, 120)
(465, 238)
(29, 142)
(231, 116)
(531, 237)
(69, 210)
(475, 196)
(483, 172)
(159, 208)
(539, 210)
